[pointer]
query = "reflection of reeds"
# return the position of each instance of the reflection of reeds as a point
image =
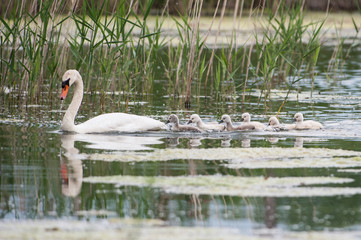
(114, 43)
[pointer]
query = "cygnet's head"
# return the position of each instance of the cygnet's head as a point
(194, 119)
(273, 121)
(172, 119)
(298, 117)
(246, 117)
(69, 77)
(225, 119)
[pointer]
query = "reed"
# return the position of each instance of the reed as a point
(114, 43)
(282, 52)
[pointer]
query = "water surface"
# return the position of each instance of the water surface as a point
(179, 185)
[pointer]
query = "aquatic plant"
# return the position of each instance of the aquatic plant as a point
(282, 53)
(115, 43)
(234, 186)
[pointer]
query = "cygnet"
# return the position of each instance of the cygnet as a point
(181, 128)
(308, 124)
(274, 125)
(230, 127)
(246, 118)
(208, 127)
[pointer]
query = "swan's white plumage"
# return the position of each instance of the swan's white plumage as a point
(110, 122)
(118, 122)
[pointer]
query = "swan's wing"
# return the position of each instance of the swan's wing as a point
(119, 122)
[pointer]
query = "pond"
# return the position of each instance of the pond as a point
(164, 185)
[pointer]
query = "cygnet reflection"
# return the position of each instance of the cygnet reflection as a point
(195, 142)
(298, 142)
(226, 142)
(173, 142)
(246, 143)
(273, 140)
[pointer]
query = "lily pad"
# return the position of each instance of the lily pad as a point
(234, 186)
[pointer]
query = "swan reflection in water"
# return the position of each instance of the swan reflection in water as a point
(71, 159)
(71, 167)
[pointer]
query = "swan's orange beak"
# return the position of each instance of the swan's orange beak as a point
(64, 92)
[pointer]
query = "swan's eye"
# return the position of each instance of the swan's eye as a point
(65, 83)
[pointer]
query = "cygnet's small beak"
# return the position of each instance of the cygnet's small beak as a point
(167, 122)
(294, 120)
(220, 121)
(190, 121)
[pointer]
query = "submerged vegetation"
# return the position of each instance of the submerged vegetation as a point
(121, 48)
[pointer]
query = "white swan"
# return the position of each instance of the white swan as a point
(246, 118)
(200, 124)
(230, 127)
(274, 125)
(303, 125)
(181, 128)
(110, 122)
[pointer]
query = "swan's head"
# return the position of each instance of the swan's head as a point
(172, 119)
(68, 79)
(298, 117)
(194, 119)
(273, 121)
(246, 117)
(225, 119)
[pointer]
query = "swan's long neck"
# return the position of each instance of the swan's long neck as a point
(69, 117)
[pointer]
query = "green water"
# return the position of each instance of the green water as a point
(44, 172)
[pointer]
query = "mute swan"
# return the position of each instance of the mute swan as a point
(246, 118)
(181, 128)
(110, 122)
(303, 125)
(200, 124)
(230, 127)
(274, 124)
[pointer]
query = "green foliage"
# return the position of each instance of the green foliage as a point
(285, 50)
(122, 51)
